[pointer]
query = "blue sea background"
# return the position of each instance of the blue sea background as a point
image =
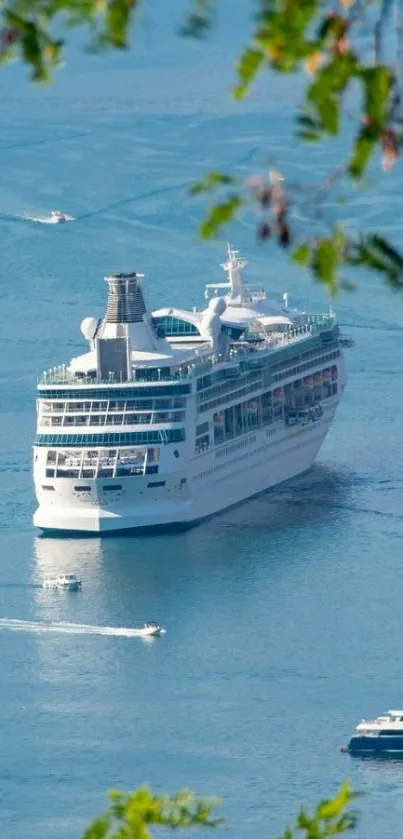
(284, 616)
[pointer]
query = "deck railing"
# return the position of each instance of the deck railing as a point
(312, 325)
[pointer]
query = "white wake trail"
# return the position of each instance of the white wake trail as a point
(15, 625)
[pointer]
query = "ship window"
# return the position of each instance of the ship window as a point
(154, 484)
(391, 733)
(114, 419)
(112, 487)
(170, 326)
(202, 443)
(48, 486)
(142, 392)
(169, 435)
(82, 489)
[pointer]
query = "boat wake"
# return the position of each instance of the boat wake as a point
(15, 625)
(49, 219)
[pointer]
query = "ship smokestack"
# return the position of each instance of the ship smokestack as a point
(126, 302)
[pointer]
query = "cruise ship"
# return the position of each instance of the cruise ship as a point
(172, 416)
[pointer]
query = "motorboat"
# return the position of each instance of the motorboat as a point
(381, 736)
(66, 582)
(57, 217)
(151, 629)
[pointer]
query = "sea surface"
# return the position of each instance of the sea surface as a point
(284, 616)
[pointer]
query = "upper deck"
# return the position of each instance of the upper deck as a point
(241, 355)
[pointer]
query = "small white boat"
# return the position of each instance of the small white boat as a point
(151, 629)
(57, 217)
(66, 582)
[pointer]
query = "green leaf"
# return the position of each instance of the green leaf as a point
(324, 92)
(248, 66)
(118, 16)
(283, 32)
(377, 84)
(325, 261)
(335, 806)
(302, 254)
(362, 150)
(219, 215)
(98, 829)
(375, 253)
(303, 820)
(212, 181)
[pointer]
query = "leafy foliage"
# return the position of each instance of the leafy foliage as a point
(27, 25)
(337, 43)
(131, 815)
(324, 39)
(329, 819)
(220, 214)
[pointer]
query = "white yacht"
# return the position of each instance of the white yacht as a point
(66, 582)
(175, 415)
(381, 736)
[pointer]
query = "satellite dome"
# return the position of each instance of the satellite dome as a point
(217, 305)
(89, 327)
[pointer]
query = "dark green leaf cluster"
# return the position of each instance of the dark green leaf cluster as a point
(27, 26)
(328, 256)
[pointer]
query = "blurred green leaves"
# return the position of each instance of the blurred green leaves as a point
(344, 81)
(219, 215)
(26, 29)
(131, 815)
(323, 39)
(330, 818)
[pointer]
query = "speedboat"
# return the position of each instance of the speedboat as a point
(66, 582)
(381, 736)
(57, 217)
(152, 629)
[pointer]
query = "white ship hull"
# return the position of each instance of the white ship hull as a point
(215, 480)
(171, 418)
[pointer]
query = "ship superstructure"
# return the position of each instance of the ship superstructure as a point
(173, 416)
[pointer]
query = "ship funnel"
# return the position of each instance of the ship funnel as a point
(126, 302)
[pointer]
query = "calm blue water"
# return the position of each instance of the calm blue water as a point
(284, 617)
